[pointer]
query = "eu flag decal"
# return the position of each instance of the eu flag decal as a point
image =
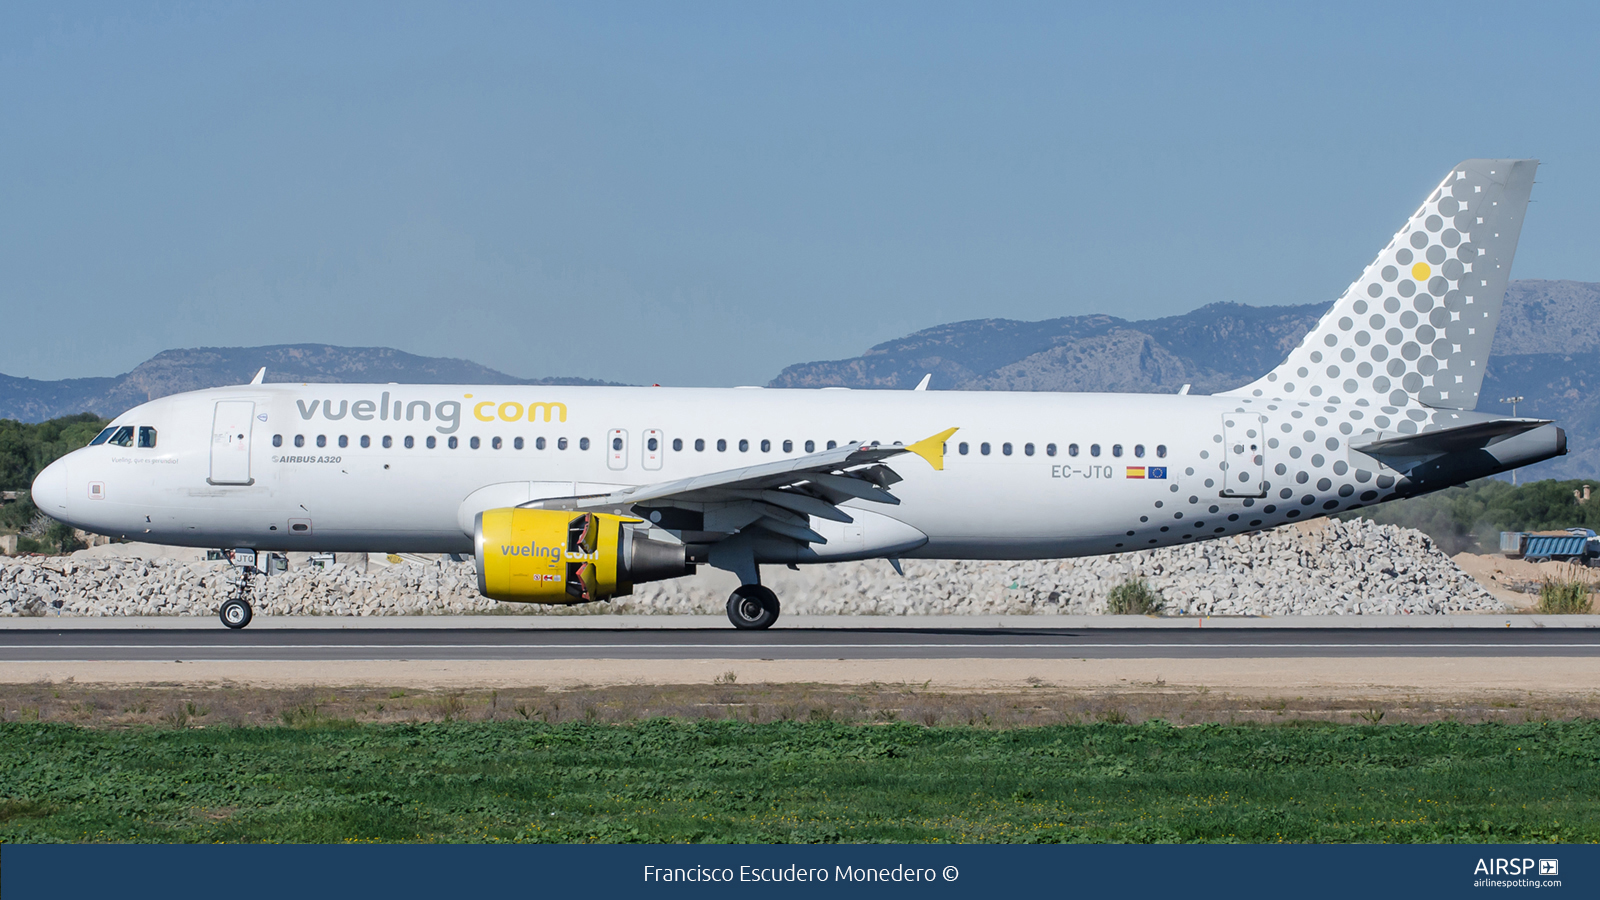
(1156, 472)
(1136, 471)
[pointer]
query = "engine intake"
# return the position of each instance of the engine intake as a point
(552, 556)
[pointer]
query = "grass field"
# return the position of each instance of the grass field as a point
(702, 781)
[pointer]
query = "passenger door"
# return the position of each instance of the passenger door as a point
(1244, 467)
(230, 442)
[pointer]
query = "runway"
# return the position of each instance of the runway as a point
(448, 644)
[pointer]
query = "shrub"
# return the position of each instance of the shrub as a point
(1134, 598)
(1565, 595)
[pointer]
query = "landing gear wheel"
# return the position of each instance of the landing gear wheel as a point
(235, 613)
(752, 608)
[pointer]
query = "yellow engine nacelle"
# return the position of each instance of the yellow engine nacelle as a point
(552, 556)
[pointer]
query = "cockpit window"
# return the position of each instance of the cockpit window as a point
(103, 436)
(122, 437)
(147, 436)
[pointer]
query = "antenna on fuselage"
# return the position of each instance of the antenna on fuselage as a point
(261, 376)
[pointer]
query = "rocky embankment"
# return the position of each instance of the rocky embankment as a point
(1316, 568)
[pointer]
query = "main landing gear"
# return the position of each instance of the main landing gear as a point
(752, 607)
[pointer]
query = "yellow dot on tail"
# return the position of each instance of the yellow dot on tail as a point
(1420, 271)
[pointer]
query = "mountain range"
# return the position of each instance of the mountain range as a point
(1546, 350)
(175, 371)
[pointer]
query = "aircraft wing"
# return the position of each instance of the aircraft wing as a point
(777, 497)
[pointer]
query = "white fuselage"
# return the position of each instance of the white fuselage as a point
(366, 479)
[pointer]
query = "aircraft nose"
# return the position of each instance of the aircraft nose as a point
(50, 489)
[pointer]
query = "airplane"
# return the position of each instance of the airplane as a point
(577, 494)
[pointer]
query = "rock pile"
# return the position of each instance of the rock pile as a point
(1315, 568)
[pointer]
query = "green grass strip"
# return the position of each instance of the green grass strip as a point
(666, 780)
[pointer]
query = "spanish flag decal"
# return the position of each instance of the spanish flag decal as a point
(1136, 471)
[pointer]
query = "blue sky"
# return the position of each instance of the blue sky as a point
(693, 193)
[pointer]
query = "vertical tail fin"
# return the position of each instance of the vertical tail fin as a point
(1415, 328)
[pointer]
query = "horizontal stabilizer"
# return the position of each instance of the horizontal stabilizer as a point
(1449, 440)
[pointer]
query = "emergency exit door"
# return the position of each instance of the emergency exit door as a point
(617, 448)
(654, 446)
(230, 442)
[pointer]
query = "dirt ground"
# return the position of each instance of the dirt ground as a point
(1461, 686)
(190, 706)
(1510, 580)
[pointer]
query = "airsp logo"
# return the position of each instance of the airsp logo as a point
(1502, 866)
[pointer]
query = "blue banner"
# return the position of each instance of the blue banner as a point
(301, 872)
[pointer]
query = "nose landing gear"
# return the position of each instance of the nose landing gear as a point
(235, 613)
(752, 607)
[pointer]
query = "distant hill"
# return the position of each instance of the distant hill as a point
(175, 371)
(1546, 349)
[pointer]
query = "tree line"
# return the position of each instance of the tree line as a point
(25, 449)
(1470, 518)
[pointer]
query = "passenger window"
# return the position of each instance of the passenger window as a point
(652, 445)
(984, 448)
(1072, 449)
(811, 446)
(832, 444)
(432, 442)
(411, 442)
(1049, 449)
(1006, 448)
(1161, 451)
(722, 445)
(677, 444)
(277, 440)
(561, 443)
(388, 442)
(539, 444)
(1116, 449)
(1094, 449)
(699, 444)
(744, 446)
(147, 436)
(1138, 450)
(495, 443)
(344, 440)
(322, 440)
(515, 445)
(299, 440)
(365, 442)
(616, 443)
(475, 443)
(961, 448)
(788, 446)
(1027, 449)
(766, 446)
(583, 443)
(453, 443)
(105, 435)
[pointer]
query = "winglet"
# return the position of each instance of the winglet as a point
(923, 384)
(932, 448)
(261, 375)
